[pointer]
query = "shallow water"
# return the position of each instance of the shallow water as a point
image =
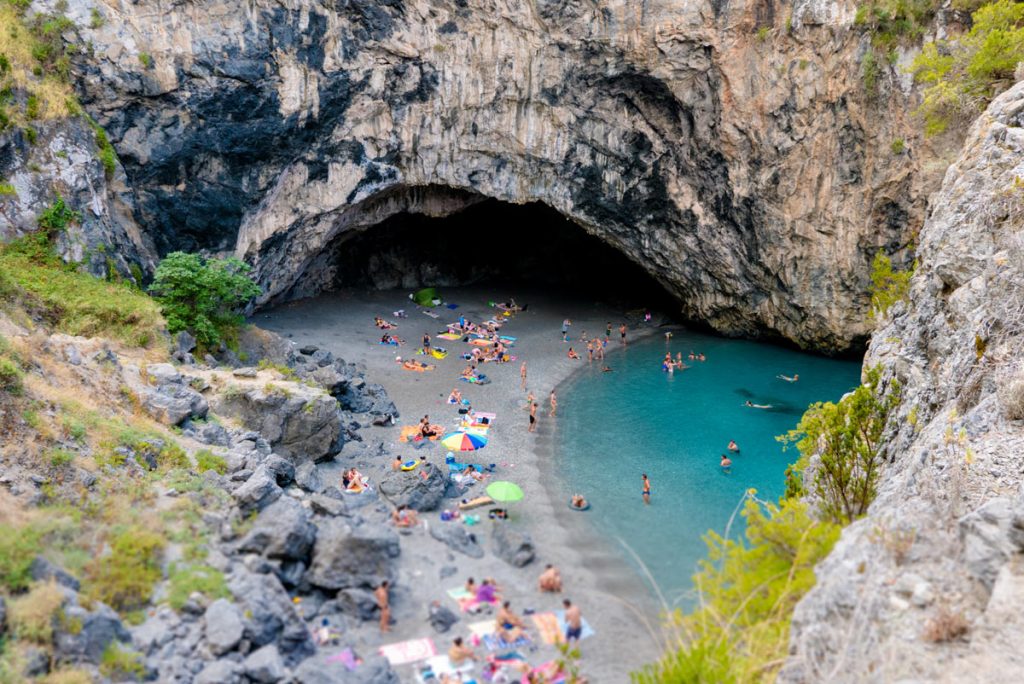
(614, 426)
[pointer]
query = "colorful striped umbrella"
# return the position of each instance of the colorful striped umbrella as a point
(465, 441)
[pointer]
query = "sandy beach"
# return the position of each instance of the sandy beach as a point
(611, 595)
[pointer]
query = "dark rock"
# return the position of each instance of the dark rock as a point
(35, 662)
(326, 505)
(270, 616)
(258, 492)
(99, 628)
(309, 349)
(283, 471)
(72, 354)
(447, 571)
(322, 357)
(291, 573)
(220, 672)
(223, 626)
(172, 403)
(247, 372)
(359, 603)
(513, 547)
(374, 670)
(3, 615)
(440, 618)
(282, 530)
(105, 356)
(184, 342)
(457, 537)
(352, 555)
(264, 665)
(163, 374)
(308, 477)
(43, 570)
(411, 489)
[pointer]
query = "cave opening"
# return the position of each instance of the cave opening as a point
(508, 247)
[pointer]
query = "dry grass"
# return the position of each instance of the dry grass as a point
(67, 677)
(945, 625)
(1011, 394)
(16, 44)
(32, 616)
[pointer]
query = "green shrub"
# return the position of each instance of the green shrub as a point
(19, 546)
(7, 190)
(869, 73)
(898, 146)
(891, 22)
(847, 438)
(120, 663)
(10, 376)
(31, 134)
(146, 59)
(124, 578)
(57, 217)
(763, 33)
(207, 460)
(963, 74)
(95, 19)
(740, 631)
(203, 296)
(888, 286)
(32, 107)
(60, 458)
(186, 579)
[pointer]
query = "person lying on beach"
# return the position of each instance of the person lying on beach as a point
(473, 503)
(497, 514)
(469, 371)
(403, 516)
(578, 501)
(413, 364)
(725, 462)
(733, 446)
(459, 653)
(757, 406)
(550, 580)
(399, 314)
(382, 324)
(787, 378)
(509, 625)
(573, 354)
(390, 339)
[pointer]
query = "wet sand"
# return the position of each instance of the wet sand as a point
(613, 598)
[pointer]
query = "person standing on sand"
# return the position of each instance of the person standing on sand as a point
(533, 416)
(647, 489)
(608, 333)
(622, 334)
(522, 375)
(426, 343)
(565, 329)
(381, 594)
(554, 402)
(573, 621)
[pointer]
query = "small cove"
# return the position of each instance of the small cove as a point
(614, 426)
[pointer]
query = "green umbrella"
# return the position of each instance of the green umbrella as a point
(504, 492)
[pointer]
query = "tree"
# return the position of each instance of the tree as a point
(847, 438)
(203, 296)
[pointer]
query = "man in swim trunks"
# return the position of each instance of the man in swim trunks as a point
(554, 402)
(647, 489)
(608, 332)
(522, 375)
(726, 463)
(460, 653)
(533, 416)
(622, 334)
(733, 446)
(573, 621)
(565, 329)
(426, 343)
(509, 625)
(383, 602)
(550, 580)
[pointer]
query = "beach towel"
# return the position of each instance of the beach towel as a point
(482, 628)
(417, 368)
(432, 314)
(481, 380)
(468, 603)
(450, 336)
(480, 415)
(346, 658)
(389, 343)
(551, 627)
(411, 433)
(405, 652)
(452, 306)
(480, 342)
(493, 642)
(438, 665)
(548, 672)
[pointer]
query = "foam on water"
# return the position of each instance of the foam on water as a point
(614, 426)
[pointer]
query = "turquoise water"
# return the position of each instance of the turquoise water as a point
(615, 426)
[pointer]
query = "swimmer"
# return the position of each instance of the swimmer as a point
(554, 402)
(606, 369)
(647, 489)
(668, 335)
(733, 446)
(787, 378)
(701, 357)
(622, 334)
(578, 501)
(725, 463)
(757, 406)
(692, 356)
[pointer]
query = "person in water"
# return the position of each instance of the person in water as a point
(647, 488)
(622, 334)
(757, 406)
(573, 355)
(578, 501)
(554, 402)
(733, 446)
(787, 378)
(606, 369)
(533, 416)
(726, 463)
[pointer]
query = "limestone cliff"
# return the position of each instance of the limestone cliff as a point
(942, 544)
(729, 148)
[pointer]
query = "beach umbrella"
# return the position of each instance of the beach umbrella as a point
(504, 492)
(465, 441)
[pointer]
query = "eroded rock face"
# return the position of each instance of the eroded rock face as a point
(751, 174)
(944, 534)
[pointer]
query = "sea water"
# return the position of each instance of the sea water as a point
(613, 426)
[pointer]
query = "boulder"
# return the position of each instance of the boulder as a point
(94, 631)
(352, 555)
(162, 374)
(358, 603)
(326, 505)
(156, 631)
(457, 537)
(308, 350)
(72, 354)
(208, 433)
(308, 477)
(172, 403)
(440, 618)
(184, 342)
(988, 539)
(374, 670)
(43, 570)
(258, 492)
(246, 372)
(224, 626)
(510, 545)
(413, 490)
(264, 665)
(283, 470)
(270, 615)
(35, 662)
(281, 530)
(220, 672)
(300, 422)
